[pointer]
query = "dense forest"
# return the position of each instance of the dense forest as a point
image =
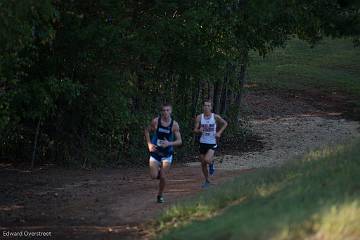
(79, 80)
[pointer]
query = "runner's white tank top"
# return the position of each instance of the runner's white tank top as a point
(209, 125)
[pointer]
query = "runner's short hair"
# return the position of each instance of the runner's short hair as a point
(208, 100)
(166, 104)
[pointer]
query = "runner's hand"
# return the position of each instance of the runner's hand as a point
(218, 135)
(151, 147)
(165, 143)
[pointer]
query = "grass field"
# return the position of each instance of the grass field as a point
(316, 197)
(331, 66)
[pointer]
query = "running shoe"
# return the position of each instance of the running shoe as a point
(205, 185)
(160, 199)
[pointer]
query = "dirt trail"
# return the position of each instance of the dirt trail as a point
(113, 203)
(82, 204)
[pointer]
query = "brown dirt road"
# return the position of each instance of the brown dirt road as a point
(96, 204)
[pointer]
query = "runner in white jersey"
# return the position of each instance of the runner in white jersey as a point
(207, 124)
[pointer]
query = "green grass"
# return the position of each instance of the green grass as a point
(316, 197)
(330, 66)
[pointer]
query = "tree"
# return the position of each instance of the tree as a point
(79, 80)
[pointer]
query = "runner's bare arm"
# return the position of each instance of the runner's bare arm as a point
(176, 130)
(151, 128)
(223, 124)
(197, 128)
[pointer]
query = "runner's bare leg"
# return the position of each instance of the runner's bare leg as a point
(204, 167)
(154, 169)
(163, 172)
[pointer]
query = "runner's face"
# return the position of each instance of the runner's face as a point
(166, 112)
(207, 107)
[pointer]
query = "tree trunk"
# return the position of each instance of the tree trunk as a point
(224, 97)
(36, 137)
(211, 91)
(217, 94)
(241, 79)
(196, 93)
(225, 90)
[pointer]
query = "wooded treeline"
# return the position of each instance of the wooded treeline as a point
(80, 79)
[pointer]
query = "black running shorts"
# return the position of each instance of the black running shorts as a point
(204, 148)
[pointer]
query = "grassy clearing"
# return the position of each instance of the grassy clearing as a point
(331, 66)
(316, 197)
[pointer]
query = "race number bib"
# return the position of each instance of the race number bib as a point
(159, 142)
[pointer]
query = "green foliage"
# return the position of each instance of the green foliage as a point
(91, 75)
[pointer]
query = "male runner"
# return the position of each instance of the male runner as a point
(206, 124)
(161, 146)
